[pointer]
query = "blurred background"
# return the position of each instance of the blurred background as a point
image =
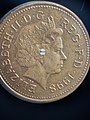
(74, 107)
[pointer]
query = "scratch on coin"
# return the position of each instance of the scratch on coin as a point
(83, 5)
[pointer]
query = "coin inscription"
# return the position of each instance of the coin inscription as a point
(66, 81)
(44, 53)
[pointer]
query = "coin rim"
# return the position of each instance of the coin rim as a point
(18, 95)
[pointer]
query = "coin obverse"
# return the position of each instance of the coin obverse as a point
(44, 52)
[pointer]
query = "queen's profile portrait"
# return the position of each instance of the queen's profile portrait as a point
(40, 50)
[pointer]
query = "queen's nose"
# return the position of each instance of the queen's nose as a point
(59, 46)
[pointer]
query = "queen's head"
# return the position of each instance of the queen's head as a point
(31, 41)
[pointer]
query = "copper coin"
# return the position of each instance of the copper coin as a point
(44, 51)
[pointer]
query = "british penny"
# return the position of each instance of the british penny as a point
(44, 51)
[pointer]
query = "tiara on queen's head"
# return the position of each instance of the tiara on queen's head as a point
(45, 29)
